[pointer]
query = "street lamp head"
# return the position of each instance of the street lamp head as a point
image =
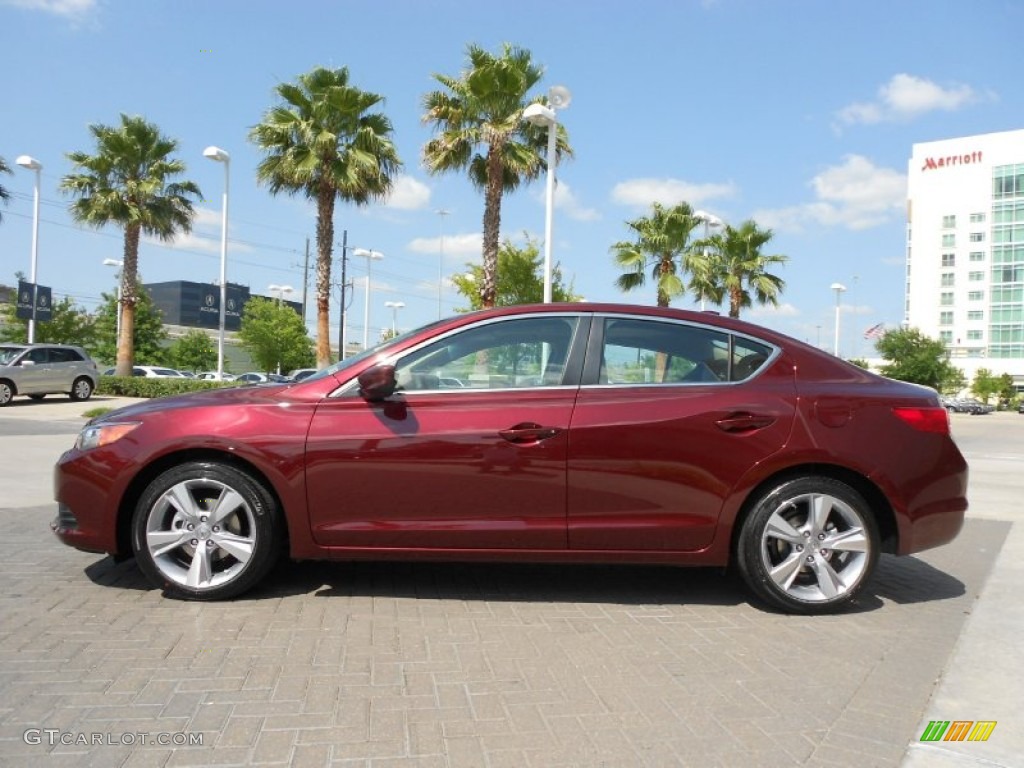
(838, 287)
(394, 304)
(559, 96)
(112, 263)
(538, 114)
(27, 161)
(216, 153)
(708, 218)
(280, 288)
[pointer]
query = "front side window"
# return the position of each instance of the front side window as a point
(524, 352)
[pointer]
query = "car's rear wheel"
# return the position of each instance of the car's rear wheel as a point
(808, 545)
(81, 389)
(205, 531)
(6, 393)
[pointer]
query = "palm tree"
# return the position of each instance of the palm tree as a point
(663, 246)
(322, 141)
(128, 183)
(480, 129)
(4, 194)
(739, 269)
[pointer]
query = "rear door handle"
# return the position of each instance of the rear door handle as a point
(744, 422)
(528, 433)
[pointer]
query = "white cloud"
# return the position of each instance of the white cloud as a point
(408, 194)
(856, 195)
(207, 242)
(73, 9)
(566, 200)
(643, 192)
(455, 246)
(905, 97)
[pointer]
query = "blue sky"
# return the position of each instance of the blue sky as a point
(798, 114)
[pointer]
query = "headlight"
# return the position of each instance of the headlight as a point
(103, 434)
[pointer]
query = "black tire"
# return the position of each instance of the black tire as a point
(81, 389)
(36, 397)
(803, 562)
(6, 393)
(241, 544)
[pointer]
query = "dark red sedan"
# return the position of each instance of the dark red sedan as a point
(560, 432)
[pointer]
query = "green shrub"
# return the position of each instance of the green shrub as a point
(140, 386)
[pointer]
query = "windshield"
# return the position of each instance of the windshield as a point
(7, 354)
(348, 362)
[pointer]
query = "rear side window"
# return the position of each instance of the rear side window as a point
(64, 356)
(748, 357)
(655, 352)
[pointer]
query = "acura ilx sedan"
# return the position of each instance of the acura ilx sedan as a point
(573, 433)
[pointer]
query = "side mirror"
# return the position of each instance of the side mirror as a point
(377, 382)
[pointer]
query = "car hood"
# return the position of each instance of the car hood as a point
(251, 395)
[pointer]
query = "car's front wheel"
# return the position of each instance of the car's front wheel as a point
(81, 389)
(6, 393)
(205, 531)
(808, 545)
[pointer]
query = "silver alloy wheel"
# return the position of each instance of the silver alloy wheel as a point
(6, 393)
(81, 389)
(815, 547)
(200, 533)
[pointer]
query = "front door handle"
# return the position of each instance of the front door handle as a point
(744, 422)
(528, 433)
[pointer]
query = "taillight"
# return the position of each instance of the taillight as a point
(925, 419)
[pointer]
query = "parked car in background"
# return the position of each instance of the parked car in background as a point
(1020, 407)
(301, 373)
(38, 370)
(214, 376)
(150, 372)
(585, 433)
(255, 377)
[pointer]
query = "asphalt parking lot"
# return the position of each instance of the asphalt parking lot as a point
(378, 664)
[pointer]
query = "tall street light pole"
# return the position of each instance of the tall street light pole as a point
(440, 262)
(710, 220)
(394, 306)
(219, 155)
(838, 288)
(541, 114)
(370, 257)
(117, 264)
(29, 162)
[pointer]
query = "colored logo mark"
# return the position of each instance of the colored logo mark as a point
(958, 730)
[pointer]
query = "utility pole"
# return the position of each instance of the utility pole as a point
(341, 324)
(305, 283)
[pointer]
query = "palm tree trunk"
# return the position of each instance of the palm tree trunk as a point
(129, 298)
(324, 242)
(735, 301)
(492, 227)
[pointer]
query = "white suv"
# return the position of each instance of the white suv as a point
(38, 370)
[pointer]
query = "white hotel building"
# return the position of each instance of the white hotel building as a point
(965, 249)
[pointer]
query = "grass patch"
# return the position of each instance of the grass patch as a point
(92, 413)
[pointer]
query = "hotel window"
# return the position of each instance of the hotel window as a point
(974, 335)
(976, 296)
(974, 277)
(977, 237)
(977, 255)
(977, 218)
(975, 314)
(948, 279)
(945, 318)
(946, 337)
(1008, 274)
(946, 299)
(949, 222)
(949, 259)
(948, 241)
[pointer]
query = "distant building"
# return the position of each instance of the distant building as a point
(197, 305)
(965, 249)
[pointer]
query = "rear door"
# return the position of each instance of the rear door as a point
(669, 417)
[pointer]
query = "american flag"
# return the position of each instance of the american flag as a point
(875, 331)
